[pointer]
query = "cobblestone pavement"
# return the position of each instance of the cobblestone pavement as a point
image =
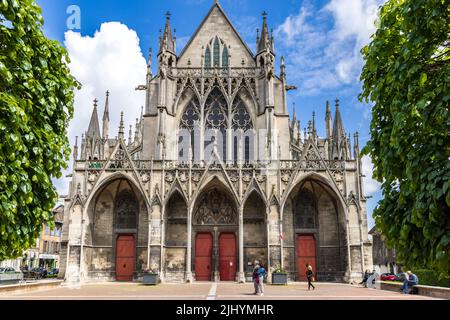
(207, 291)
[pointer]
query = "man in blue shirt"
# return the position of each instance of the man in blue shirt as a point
(410, 280)
(261, 274)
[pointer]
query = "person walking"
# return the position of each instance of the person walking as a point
(366, 276)
(310, 276)
(261, 276)
(255, 276)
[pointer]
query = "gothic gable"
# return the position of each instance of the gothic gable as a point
(216, 24)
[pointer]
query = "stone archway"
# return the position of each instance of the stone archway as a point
(215, 219)
(117, 216)
(315, 232)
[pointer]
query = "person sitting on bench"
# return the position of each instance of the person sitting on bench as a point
(410, 280)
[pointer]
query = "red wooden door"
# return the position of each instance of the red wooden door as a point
(125, 257)
(203, 256)
(306, 254)
(227, 256)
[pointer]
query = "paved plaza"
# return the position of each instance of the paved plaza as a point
(207, 291)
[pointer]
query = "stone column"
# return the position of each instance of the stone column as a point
(189, 245)
(241, 275)
(349, 256)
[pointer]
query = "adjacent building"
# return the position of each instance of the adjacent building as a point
(50, 241)
(215, 174)
(45, 253)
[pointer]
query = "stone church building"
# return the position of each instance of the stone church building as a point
(215, 175)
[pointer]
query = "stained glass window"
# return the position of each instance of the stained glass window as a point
(216, 110)
(241, 118)
(189, 120)
(305, 210)
(216, 52)
(207, 58)
(225, 57)
(126, 210)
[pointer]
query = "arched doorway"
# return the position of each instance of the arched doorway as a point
(215, 230)
(315, 232)
(125, 213)
(117, 234)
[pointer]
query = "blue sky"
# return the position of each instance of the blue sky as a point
(320, 41)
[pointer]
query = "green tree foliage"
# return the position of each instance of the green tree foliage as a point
(36, 104)
(406, 76)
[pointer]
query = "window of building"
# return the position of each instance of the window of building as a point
(47, 230)
(207, 58)
(189, 121)
(216, 113)
(216, 118)
(225, 57)
(126, 208)
(216, 52)
(305, 210)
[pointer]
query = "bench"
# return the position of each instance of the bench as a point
(424, 290)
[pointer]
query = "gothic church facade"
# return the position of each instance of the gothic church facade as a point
(242, 183)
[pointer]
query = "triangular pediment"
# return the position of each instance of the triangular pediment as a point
(216, 23)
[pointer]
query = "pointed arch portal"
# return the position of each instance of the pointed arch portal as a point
(214, 235)
(315, 232)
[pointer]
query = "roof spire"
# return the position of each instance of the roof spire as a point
(294, 114)
(136, 130)
(264, 42)
(338, 133)
(121, 127)
(106, 117)
(167, 41)
(314, 122)
(75, 149)
(130, 134)
(94, 127)
(328, 120)
(282, 69)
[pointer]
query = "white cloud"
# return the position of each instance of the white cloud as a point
(110, 60)
(354, 23)
(371, 186)
(323, 56)
(294, 25)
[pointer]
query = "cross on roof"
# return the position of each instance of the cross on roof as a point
(264, 14)
(168, 14)
(95, 102)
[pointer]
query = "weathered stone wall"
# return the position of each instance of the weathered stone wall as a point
(288, 224)
(99, 259)
(62, 259)
(175, 259)
(355, 253)
(255, 230)
(155, 257)
(141, 259)
(102, 224)
(73, 270)
(252, 254)
(142, 236)
(176, 234)
(329, 253)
